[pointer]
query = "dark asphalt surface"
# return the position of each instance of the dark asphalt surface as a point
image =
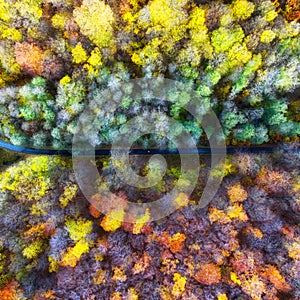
(152, 151)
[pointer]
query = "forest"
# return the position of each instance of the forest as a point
(241, 60)
(241, 57)
(245, 244)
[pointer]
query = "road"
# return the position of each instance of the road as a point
(152, 151)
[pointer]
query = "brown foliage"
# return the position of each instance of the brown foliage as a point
(124, 6)
(243, 262)
(142, 264)
(30, 58)
(272, 181)
(212, 17)
(236, 193)
(174, 243)
(272, 274)
(53, 68)
(209, 273)
(109, 203)
(9, 292)
(94, 211)
(292, 11)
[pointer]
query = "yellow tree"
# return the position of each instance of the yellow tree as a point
(199, 32)
(164, 23)
(96, 21)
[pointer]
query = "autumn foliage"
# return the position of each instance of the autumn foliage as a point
(239, 68)
(175, 243)
(241, 59)
(30, 58)
(208, 274)
(236, 246)
(10, 291)
(272, 180)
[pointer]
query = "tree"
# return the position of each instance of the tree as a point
(199, 32)
(267, 36)
(289, 129)
(29, 9)
(169, 17)
(230, 117)
(242, 9)
(260, 135)
(244, 132)
(179, 284)
(29, 57)
(275, 110)
(79, 54)
(30, 179)
(70, 94)
(164, 22)
(223, 39)
(96, 21)
(209, 273)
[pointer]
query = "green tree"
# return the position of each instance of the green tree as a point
(289, 129)
(275, 110)
(260, 135)
(230, 117)
(245, 132)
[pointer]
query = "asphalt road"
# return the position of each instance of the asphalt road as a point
(152, 151)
